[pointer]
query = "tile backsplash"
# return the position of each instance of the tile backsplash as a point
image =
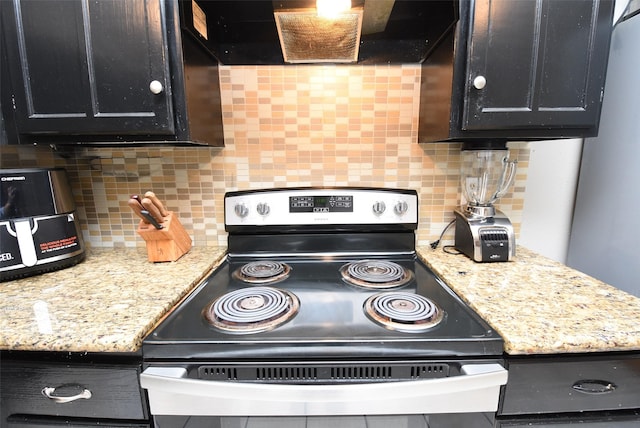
(284, 126)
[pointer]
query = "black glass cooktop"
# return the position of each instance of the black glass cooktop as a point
(330, 321)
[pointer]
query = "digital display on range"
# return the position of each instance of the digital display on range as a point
(320, 204)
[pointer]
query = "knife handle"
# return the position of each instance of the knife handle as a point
(151, 220)
(157, 203)
(153, 210)
(137, 209)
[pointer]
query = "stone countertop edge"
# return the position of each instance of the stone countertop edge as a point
(107, 303)
(540, 306)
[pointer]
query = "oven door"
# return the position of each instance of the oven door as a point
(468, 400)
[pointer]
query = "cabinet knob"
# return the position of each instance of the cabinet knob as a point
(479, 82)
(156, 87)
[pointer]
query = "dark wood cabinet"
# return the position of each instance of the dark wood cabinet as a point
(28, 422)
(530, 69)
(81, 391)
(102, 70)
(588, 390)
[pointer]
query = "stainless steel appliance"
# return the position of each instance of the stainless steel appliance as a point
(322, 310)
(605, 230)
(39, 231)
(482, 232)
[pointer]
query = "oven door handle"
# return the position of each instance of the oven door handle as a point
(171, 393)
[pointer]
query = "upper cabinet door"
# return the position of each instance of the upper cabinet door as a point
(87, 66)
(536, 64)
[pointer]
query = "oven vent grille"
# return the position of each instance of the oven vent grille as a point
(429, 371)
(286, 373)
(362, 372)
(347, 373)
(218, 373)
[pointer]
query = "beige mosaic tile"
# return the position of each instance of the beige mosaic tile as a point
(284, 126)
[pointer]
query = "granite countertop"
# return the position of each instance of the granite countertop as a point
(113, 299)
(540, 306)
(107, 303)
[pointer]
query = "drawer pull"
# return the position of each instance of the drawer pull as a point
(593, 386)
(48, 392)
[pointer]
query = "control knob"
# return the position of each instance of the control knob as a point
(379, 207)
(263, 208)
(241, 210)
(401, 207)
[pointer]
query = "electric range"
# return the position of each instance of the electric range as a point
(321, 286)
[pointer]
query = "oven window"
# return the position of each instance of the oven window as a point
(467, 420)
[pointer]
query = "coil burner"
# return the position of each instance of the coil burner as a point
(262, 272)
(406, 312)
(252, 310)
(375, 274)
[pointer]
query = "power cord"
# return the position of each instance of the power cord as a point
(451, 249)
(435, 244)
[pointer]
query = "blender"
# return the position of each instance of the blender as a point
(482, 232)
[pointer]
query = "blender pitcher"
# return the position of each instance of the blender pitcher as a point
(485, 177)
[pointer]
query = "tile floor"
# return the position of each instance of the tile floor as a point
(393, 421)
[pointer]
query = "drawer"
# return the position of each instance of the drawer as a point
(571, 384)
(26, 422)
(111, 391)
(606, 420)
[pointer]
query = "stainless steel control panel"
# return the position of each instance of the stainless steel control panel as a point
(317, 206)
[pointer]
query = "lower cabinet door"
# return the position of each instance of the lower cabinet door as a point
(37, 422)
(555, 385)
(32, 390)
(598, 420)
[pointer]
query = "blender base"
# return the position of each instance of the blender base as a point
(484, 239)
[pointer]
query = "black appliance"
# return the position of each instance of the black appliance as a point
(39, 231)
(322, 308)
(392, 32)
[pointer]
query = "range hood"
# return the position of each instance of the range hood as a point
(266, 32)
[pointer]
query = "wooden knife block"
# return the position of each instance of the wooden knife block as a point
(167, 244)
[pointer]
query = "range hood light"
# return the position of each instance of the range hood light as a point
(331, 9)
(307, 37)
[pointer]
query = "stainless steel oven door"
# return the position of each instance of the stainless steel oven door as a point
(468, 396)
